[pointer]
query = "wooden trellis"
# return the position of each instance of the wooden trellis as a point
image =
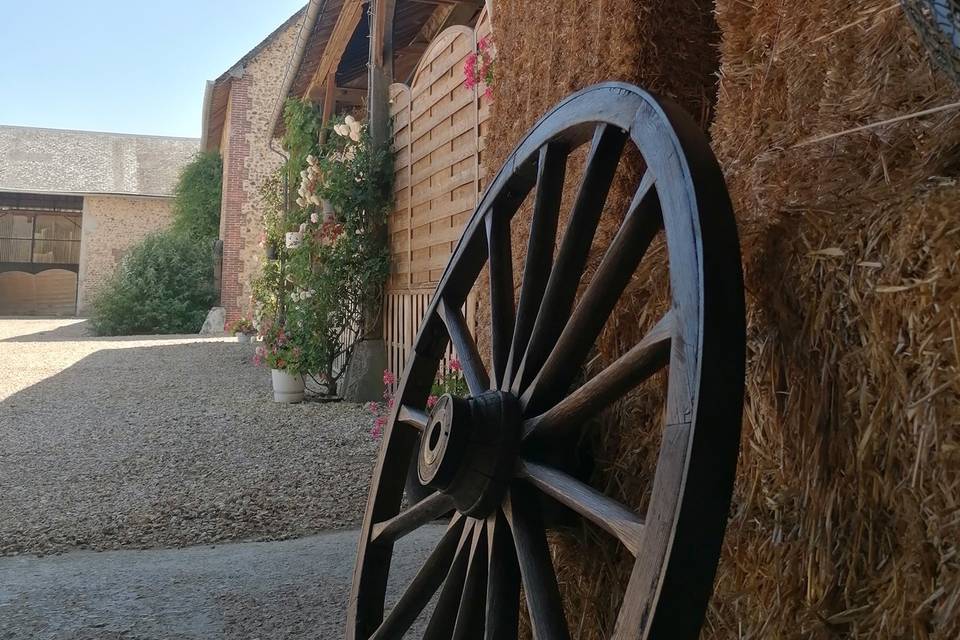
(439, 127)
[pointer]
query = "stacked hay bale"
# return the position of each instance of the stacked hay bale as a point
(846, 520)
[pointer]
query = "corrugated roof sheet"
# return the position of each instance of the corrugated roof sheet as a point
(65, 161)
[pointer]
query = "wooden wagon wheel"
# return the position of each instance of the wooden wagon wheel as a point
(483, 455)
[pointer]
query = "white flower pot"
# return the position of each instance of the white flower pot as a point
(286, 386)
(243, 337)
(293, 239)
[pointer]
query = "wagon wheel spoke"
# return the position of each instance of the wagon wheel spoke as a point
(501, 292)
(470, 618)
(536, 567)
(610, 515)
(444, 613)
(643, 360)
(640, 225)
(503, 583)
(413, 518)
(413, 417)
(424, 584)
(551, 170)
(602, 161)
(473, 370)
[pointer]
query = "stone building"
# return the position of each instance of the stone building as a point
(237, 122)
(71, 204)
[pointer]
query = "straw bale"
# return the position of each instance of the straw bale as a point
(846, 517)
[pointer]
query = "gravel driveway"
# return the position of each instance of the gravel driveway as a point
(163, 441)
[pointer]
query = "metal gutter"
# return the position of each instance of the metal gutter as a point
(314, 10)
(205, 124)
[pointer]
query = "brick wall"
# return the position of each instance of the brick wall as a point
(111, 225)
(247, 162)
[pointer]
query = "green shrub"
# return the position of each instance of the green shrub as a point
(196, 204)
(164, 285)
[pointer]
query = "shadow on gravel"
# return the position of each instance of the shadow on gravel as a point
(172, 445)
(80, 331)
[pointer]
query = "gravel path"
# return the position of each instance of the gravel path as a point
(260, 590)
(168, 441)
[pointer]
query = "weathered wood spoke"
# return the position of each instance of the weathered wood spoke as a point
(424, 584)
(608, 514)
(640, 225)
(501, 292)
(503, 582)
(536, 567)
(640, 362)
(602, 161)
(470, 615)
(412, 416)
(473, 369)
(413, 518)
(551, 171)
(444, 614)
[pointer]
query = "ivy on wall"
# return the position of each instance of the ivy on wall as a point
(196, 201)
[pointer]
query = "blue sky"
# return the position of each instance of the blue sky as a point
(123, 65)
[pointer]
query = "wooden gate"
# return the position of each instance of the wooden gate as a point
(439, 128)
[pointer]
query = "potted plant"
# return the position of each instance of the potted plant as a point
(243, 329)
(284, 357)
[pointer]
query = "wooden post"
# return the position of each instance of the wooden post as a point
(364, 379)
(378, 106)
(329, 103)
(380, 67)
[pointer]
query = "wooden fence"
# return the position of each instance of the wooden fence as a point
(439, 129)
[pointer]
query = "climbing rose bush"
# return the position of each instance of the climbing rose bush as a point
(478, 67)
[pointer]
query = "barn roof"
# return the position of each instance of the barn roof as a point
(61, 161)
(218, 91)
(343, 25)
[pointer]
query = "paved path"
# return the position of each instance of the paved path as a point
(258, 590)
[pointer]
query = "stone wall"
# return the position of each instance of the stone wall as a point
(248, 161)
(111, 226)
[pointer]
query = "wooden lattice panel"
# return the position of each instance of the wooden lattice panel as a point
(438, 136)
(438, 126)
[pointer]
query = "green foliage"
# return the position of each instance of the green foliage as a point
(303, 122)
(357, 180)
(451, 381)
(320, 292)
(196, 204)
(164, 285)
(280, 350)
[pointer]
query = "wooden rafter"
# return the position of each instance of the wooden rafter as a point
(346, 24)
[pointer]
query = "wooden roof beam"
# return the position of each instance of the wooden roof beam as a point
(343, 30)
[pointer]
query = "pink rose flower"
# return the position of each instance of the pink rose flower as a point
(431, 400)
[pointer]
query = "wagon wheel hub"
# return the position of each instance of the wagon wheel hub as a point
(469, 449)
